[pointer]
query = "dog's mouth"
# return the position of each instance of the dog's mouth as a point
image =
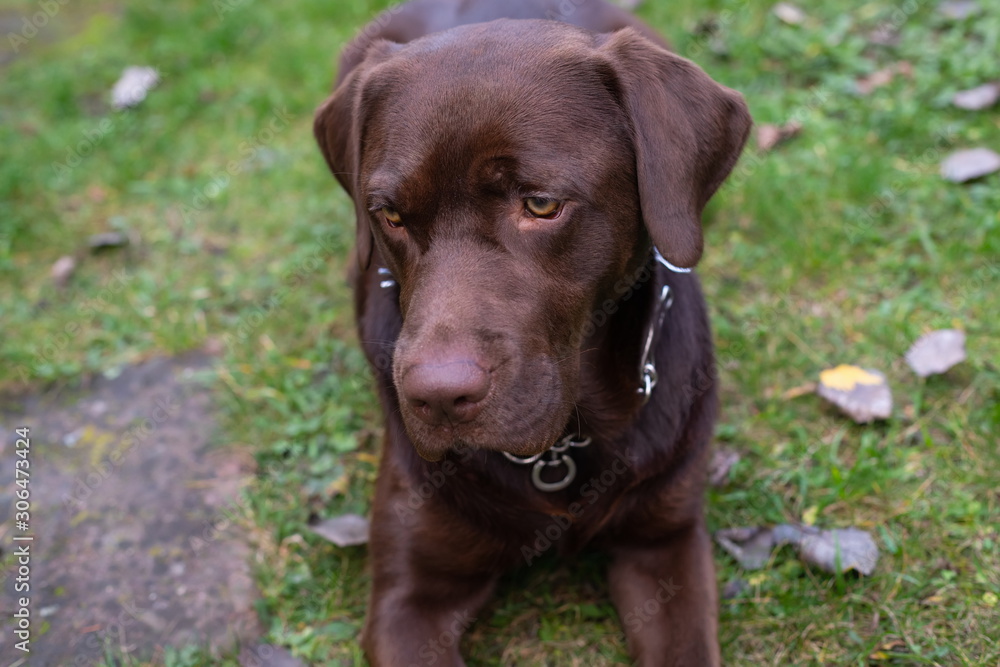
(434, 443)
(512, 420)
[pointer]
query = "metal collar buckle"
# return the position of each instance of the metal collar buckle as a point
(559, 455)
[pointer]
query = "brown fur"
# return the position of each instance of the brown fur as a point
(453, 124)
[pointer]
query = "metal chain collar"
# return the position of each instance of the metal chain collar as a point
(559, 455)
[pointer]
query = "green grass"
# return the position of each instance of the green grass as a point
(843, 245)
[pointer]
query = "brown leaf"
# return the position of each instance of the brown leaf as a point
(769, 136)
(349, 530)
(884, 77)
(970, 164)
(107, 240)
(980, 97)
(751, 547)
(861, 394)
(801, 390)
(937, 352)
(789, 13)
(843, 548)
(63, 270)
(846, 549)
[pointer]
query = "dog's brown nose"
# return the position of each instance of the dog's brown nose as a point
(449, 390)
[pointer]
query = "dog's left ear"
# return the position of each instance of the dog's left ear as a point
(337, 126)
(688, 133)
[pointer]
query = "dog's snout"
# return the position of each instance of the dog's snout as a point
(448, 390)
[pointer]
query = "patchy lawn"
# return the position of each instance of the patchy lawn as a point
(842, 245)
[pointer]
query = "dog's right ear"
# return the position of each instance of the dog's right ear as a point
(338, 126)
(688, 134)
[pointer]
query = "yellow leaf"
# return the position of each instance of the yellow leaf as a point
(990, 599)
(809, 516)
(845, 377)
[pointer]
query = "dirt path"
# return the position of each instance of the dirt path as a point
(138, 522)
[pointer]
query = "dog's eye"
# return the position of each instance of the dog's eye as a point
(541, 207)
(392, 216)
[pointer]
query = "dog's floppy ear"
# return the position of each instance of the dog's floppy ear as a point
(688, 133)
(338, 124)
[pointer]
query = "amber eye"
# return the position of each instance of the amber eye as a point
(392, 216)
(541, 207)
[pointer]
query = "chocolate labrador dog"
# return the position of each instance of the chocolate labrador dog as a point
(529, 178)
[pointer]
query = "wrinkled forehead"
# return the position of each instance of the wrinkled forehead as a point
(534, 96)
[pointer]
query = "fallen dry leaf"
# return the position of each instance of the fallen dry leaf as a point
(798, 392)
(769, 136)
(937, 352)
(970, 164)
(751, 547)
(789, 13)
(107, 240)
(63, 270)
(980, 97)
(958, 9)
(349, 530)
(861, 394)
(722, 463)
(133, 86)
(841, 549)
(884, 77)
(889, 647)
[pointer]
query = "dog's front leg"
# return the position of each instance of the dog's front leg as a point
(430, 576)
(666, 597)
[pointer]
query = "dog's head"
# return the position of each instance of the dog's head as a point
(510, 174)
